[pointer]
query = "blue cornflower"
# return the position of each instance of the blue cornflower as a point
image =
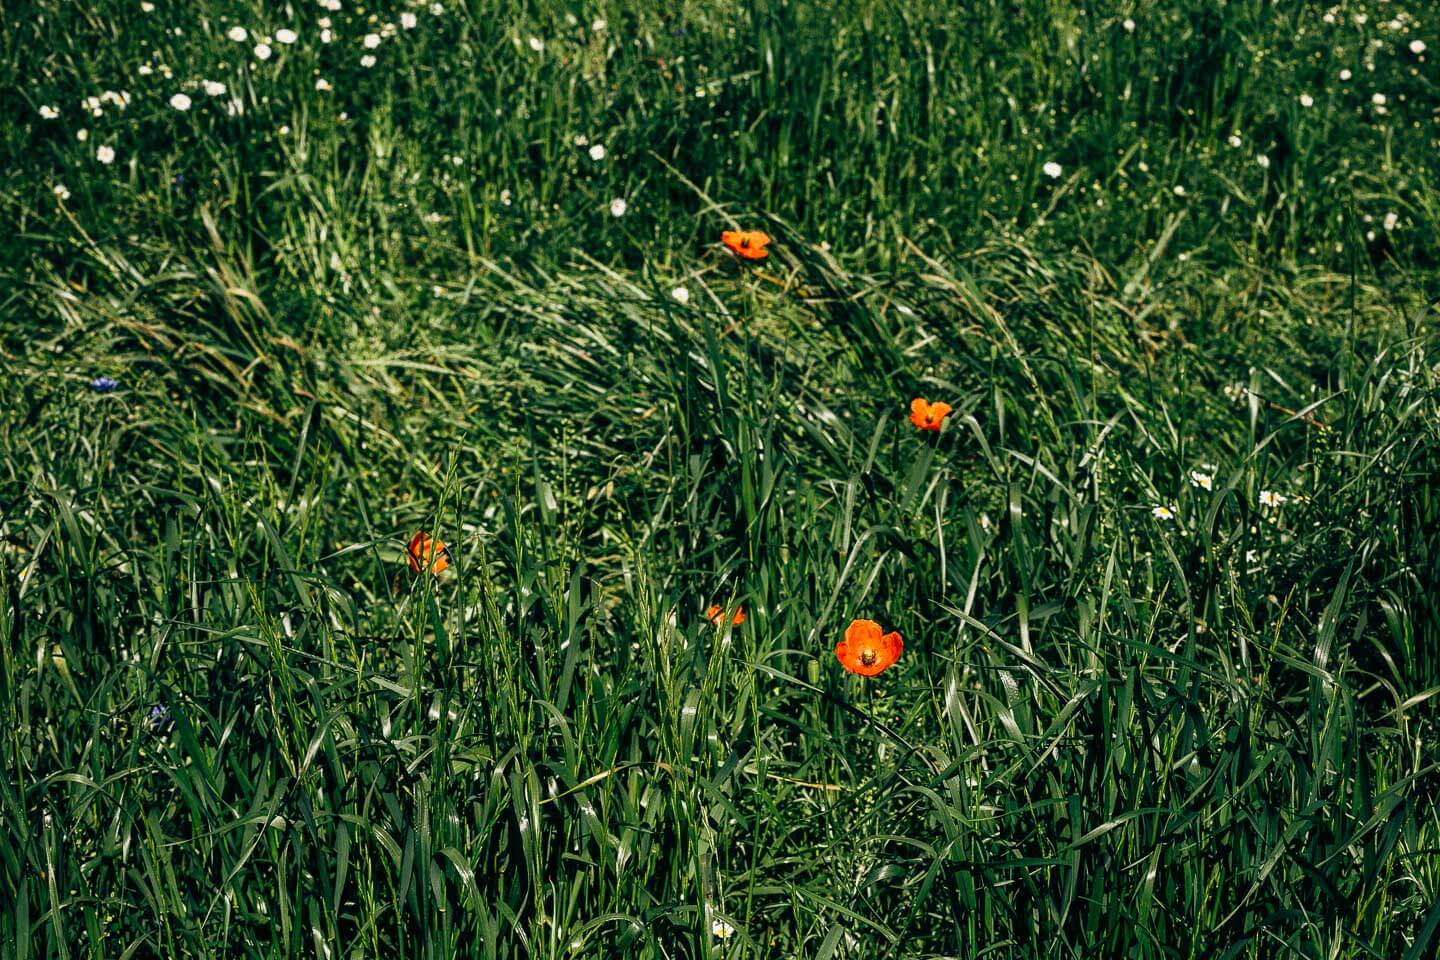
(103, 384)
(159, 719)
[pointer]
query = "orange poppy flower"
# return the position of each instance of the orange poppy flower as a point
(425, 549)
(716, 615)
(927, 415)
(868, 650)
(746, 244)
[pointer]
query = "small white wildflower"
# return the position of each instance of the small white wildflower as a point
(371, 41)
(408, 20)
(323, 23)
(1391, 219)
(599, 26)
(367, 61)
(326, 36)
(581, 140)
(284, 130)
(61, 192)
(121, 99)
(1306, 100)
(145, 70)
(1179, 190)
(238, 33)
(1378, 99)
(1053, 170)
(597, 152)
(1129, 25)
(505, 197)
(286, 36)
(680, 295)
(456, 160)
(537, 44)
(1264, 161)
(1329, 18)
(262, 51)
(322, 84)
(105, 154)
(1162, 512)
(1234, 140)
(147, 7)
(1345, 74)
(437, 9)
(1417, 47)
(48, 112)
(180, 102)
(721, 930)
(1202, 480)
(82, 134)
(618, 207)
(1269, 498)
(214, 88)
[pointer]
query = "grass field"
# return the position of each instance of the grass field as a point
(284, 284)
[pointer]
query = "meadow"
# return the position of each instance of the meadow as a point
(285, 284)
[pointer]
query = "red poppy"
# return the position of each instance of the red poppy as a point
(746, 244)
(927, 415)
(868, 650)
(716, 615)
(425, 549)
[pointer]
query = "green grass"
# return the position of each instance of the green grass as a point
(340, 316)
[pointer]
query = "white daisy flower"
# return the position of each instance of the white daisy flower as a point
(537, 44)
(238, 33)
(1234, 140)
(326, 36)
(322, 84)
(721, 930)
(147, 7)
(1264, 161)
(1378, 99)
(1053, 170)
(1129, 25)
(48, 112)
(323, 23)
(1417, 47)
(82, 134)
(1270, 498)
(599, 25)
(597, 152)
(437, 9)
(1202, 480)
(1345, 74)
(1162, 512)
(1391, 219)
(371, 41)
(408, 20)
(214, 88)
(286, 35)
(262, 51)
(1306, 100)
(680, 295)
(60, 191)
(618, 206)
(105, 154)
(180, 102)
(121, 99)
(505, 197)
(367, 61)
(1179, 190)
